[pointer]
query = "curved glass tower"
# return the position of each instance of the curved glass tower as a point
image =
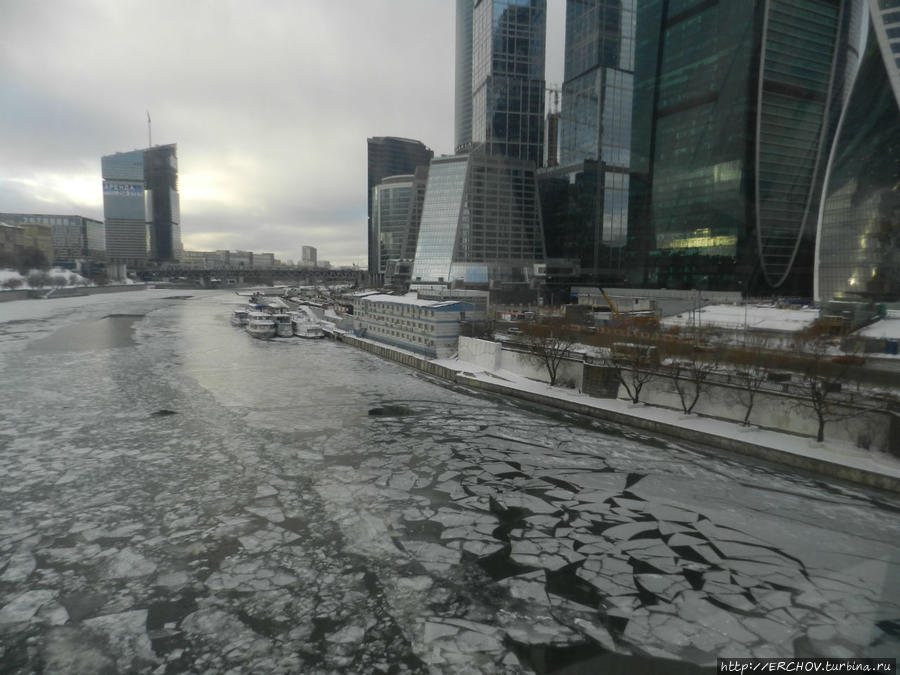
(736, 105)
(858, 247)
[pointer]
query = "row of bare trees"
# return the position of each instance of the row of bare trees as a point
(819, 380)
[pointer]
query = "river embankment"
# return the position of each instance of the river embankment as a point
(831, 459)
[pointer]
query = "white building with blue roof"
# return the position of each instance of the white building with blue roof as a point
(427, 327)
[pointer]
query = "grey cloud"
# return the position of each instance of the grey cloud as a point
(277, 97)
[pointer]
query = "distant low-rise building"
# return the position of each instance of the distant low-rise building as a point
(427, 327)
(37, 230)
(263, 260)
(11, 238)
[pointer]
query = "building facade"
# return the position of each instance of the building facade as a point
(584, 201)
(40, 233)
(161, 180)
(508, 46)
(735, 106)
(481, 224)
(397, 213)
(462, 118)
(426, 327)
(308, 255)
(584, 209)
(595, 120)
(390, 156)
(858, 246)
(141, 206)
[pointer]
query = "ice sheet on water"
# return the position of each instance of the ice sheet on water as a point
(125, 634)
(20, 566)
(23, 607)
(128, 563)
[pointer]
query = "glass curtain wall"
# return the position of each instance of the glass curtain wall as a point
(508, 43)
(858, 250)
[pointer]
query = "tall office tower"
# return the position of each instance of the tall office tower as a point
(396, 214)
(161, 177)
(597, 90)
(390, 156)
(141, 205)
(585, 200)
(462, 137)
(858, 247)
(735, 108)
(508, 39)
(480, 222)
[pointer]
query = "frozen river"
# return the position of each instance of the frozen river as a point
(178, 497)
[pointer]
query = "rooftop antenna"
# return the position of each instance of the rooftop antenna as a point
(149, 132)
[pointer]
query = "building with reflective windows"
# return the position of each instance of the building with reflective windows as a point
(595, 121)
(75, 241)
(508, 43)
(585, 200)
(858, 247)
(462, 137)
(584, 209)
(735, 107)
(390, 156)
(141, 205)
(396, 213)
(480, 222)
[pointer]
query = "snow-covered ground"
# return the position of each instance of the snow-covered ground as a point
(196, 500)
(754, 317)
(836, 452)
(887, 328)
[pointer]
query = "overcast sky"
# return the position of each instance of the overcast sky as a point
(269, 101)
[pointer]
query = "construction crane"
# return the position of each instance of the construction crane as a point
(611, 304)
(554, 100)
(631, 320)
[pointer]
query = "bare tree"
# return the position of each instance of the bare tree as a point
(752, 371)
(38, 279)
(690, 371)
(59, 281)
(823, 376)
(550, 344)
(13, 283)
(636, 361)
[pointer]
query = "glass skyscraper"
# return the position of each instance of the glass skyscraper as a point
(735, 108)
(390, 156)
(141, 205)
(858, 247)
(508, 43)
(480, 222)
(585, 201)
(396, 214)
(595, 122)
(462, 138)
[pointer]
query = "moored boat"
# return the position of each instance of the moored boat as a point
(305, 328)
(283, 327)
(261, 325)
(240, 317)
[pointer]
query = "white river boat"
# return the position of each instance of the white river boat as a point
(261, 325)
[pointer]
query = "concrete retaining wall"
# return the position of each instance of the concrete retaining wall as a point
(482, 353)
(813, 465)
(810, 464)
(779, 412)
